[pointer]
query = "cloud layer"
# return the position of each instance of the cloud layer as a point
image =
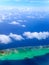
(28, 35)
(20, 14)
(37, 35)
(16, 37)
(14, 23)
(5, 39)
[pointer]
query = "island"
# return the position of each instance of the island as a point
(20, 53)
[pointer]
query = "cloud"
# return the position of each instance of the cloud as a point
(22, 12)
(17, 23)
(5, 39)
(21, 16)
(40, 16)
(37, 35)
(21, 20)
(16, 37)
(23, 25)
(14, 23)
(2, 17)
(31, 17)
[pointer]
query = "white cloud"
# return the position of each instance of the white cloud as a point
(5, 39)
(31, 17)
(20, 20)
(39, 36)
(16, 37)
(14, 23)
(29, 35)
(23, 25)
(2, 17)
(17, 23)
(22, 12)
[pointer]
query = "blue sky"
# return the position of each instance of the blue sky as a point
(24, 2)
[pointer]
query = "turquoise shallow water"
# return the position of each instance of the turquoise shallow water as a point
(39, 60)
(22, 53)
(24, 56)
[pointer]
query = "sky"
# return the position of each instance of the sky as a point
(24, 2)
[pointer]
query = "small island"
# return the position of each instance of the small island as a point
(20, 53)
